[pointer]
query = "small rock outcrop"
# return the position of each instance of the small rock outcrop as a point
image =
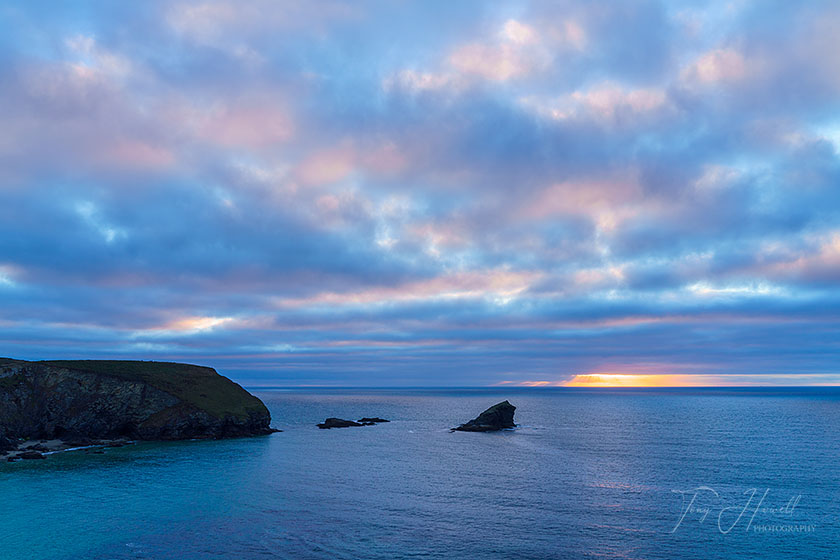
(83, 400)
(30, 455)
(339, 423)
(336, 423)
(497, 417)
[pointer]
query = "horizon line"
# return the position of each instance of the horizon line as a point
(540, 387)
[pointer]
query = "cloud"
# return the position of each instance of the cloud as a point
(245, 123)
(215, 21)
(498, 285)
(333, 192)
(718, 66)
(517, 52)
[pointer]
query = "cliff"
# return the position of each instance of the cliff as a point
(123, 399)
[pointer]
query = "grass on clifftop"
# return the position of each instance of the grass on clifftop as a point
(196, 385)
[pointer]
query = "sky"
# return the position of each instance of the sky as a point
(426, 193)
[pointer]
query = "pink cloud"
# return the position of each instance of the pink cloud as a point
(251, 123)
(607, 201)
(821, 264)
(718, 66)
(138, 154)
(328, 165)
(335, 163)
(607, 103)
(516, 52)
(439, 236)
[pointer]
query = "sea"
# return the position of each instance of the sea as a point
(588, 473)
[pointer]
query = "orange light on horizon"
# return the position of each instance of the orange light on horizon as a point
(694, 380)
(608, 380)
(635, 380)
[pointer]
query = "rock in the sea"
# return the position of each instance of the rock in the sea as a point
(87, 399)
(337, 423)
(30, 455)
(497, 417)
(374, 420)
(81, 442)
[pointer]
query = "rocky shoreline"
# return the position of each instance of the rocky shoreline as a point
(40, 449)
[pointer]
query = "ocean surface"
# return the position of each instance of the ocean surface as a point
(602, 474)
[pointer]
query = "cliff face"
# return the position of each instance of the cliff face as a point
(137, 400)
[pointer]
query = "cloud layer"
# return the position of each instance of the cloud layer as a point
(429, 193)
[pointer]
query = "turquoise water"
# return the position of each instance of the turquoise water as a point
(589, 474)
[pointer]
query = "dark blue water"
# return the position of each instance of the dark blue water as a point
(589, 474)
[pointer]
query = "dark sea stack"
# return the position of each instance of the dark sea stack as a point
(337, 423)
(82, 400)
(497, 417)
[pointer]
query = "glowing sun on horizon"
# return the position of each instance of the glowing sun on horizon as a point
(633, 380)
